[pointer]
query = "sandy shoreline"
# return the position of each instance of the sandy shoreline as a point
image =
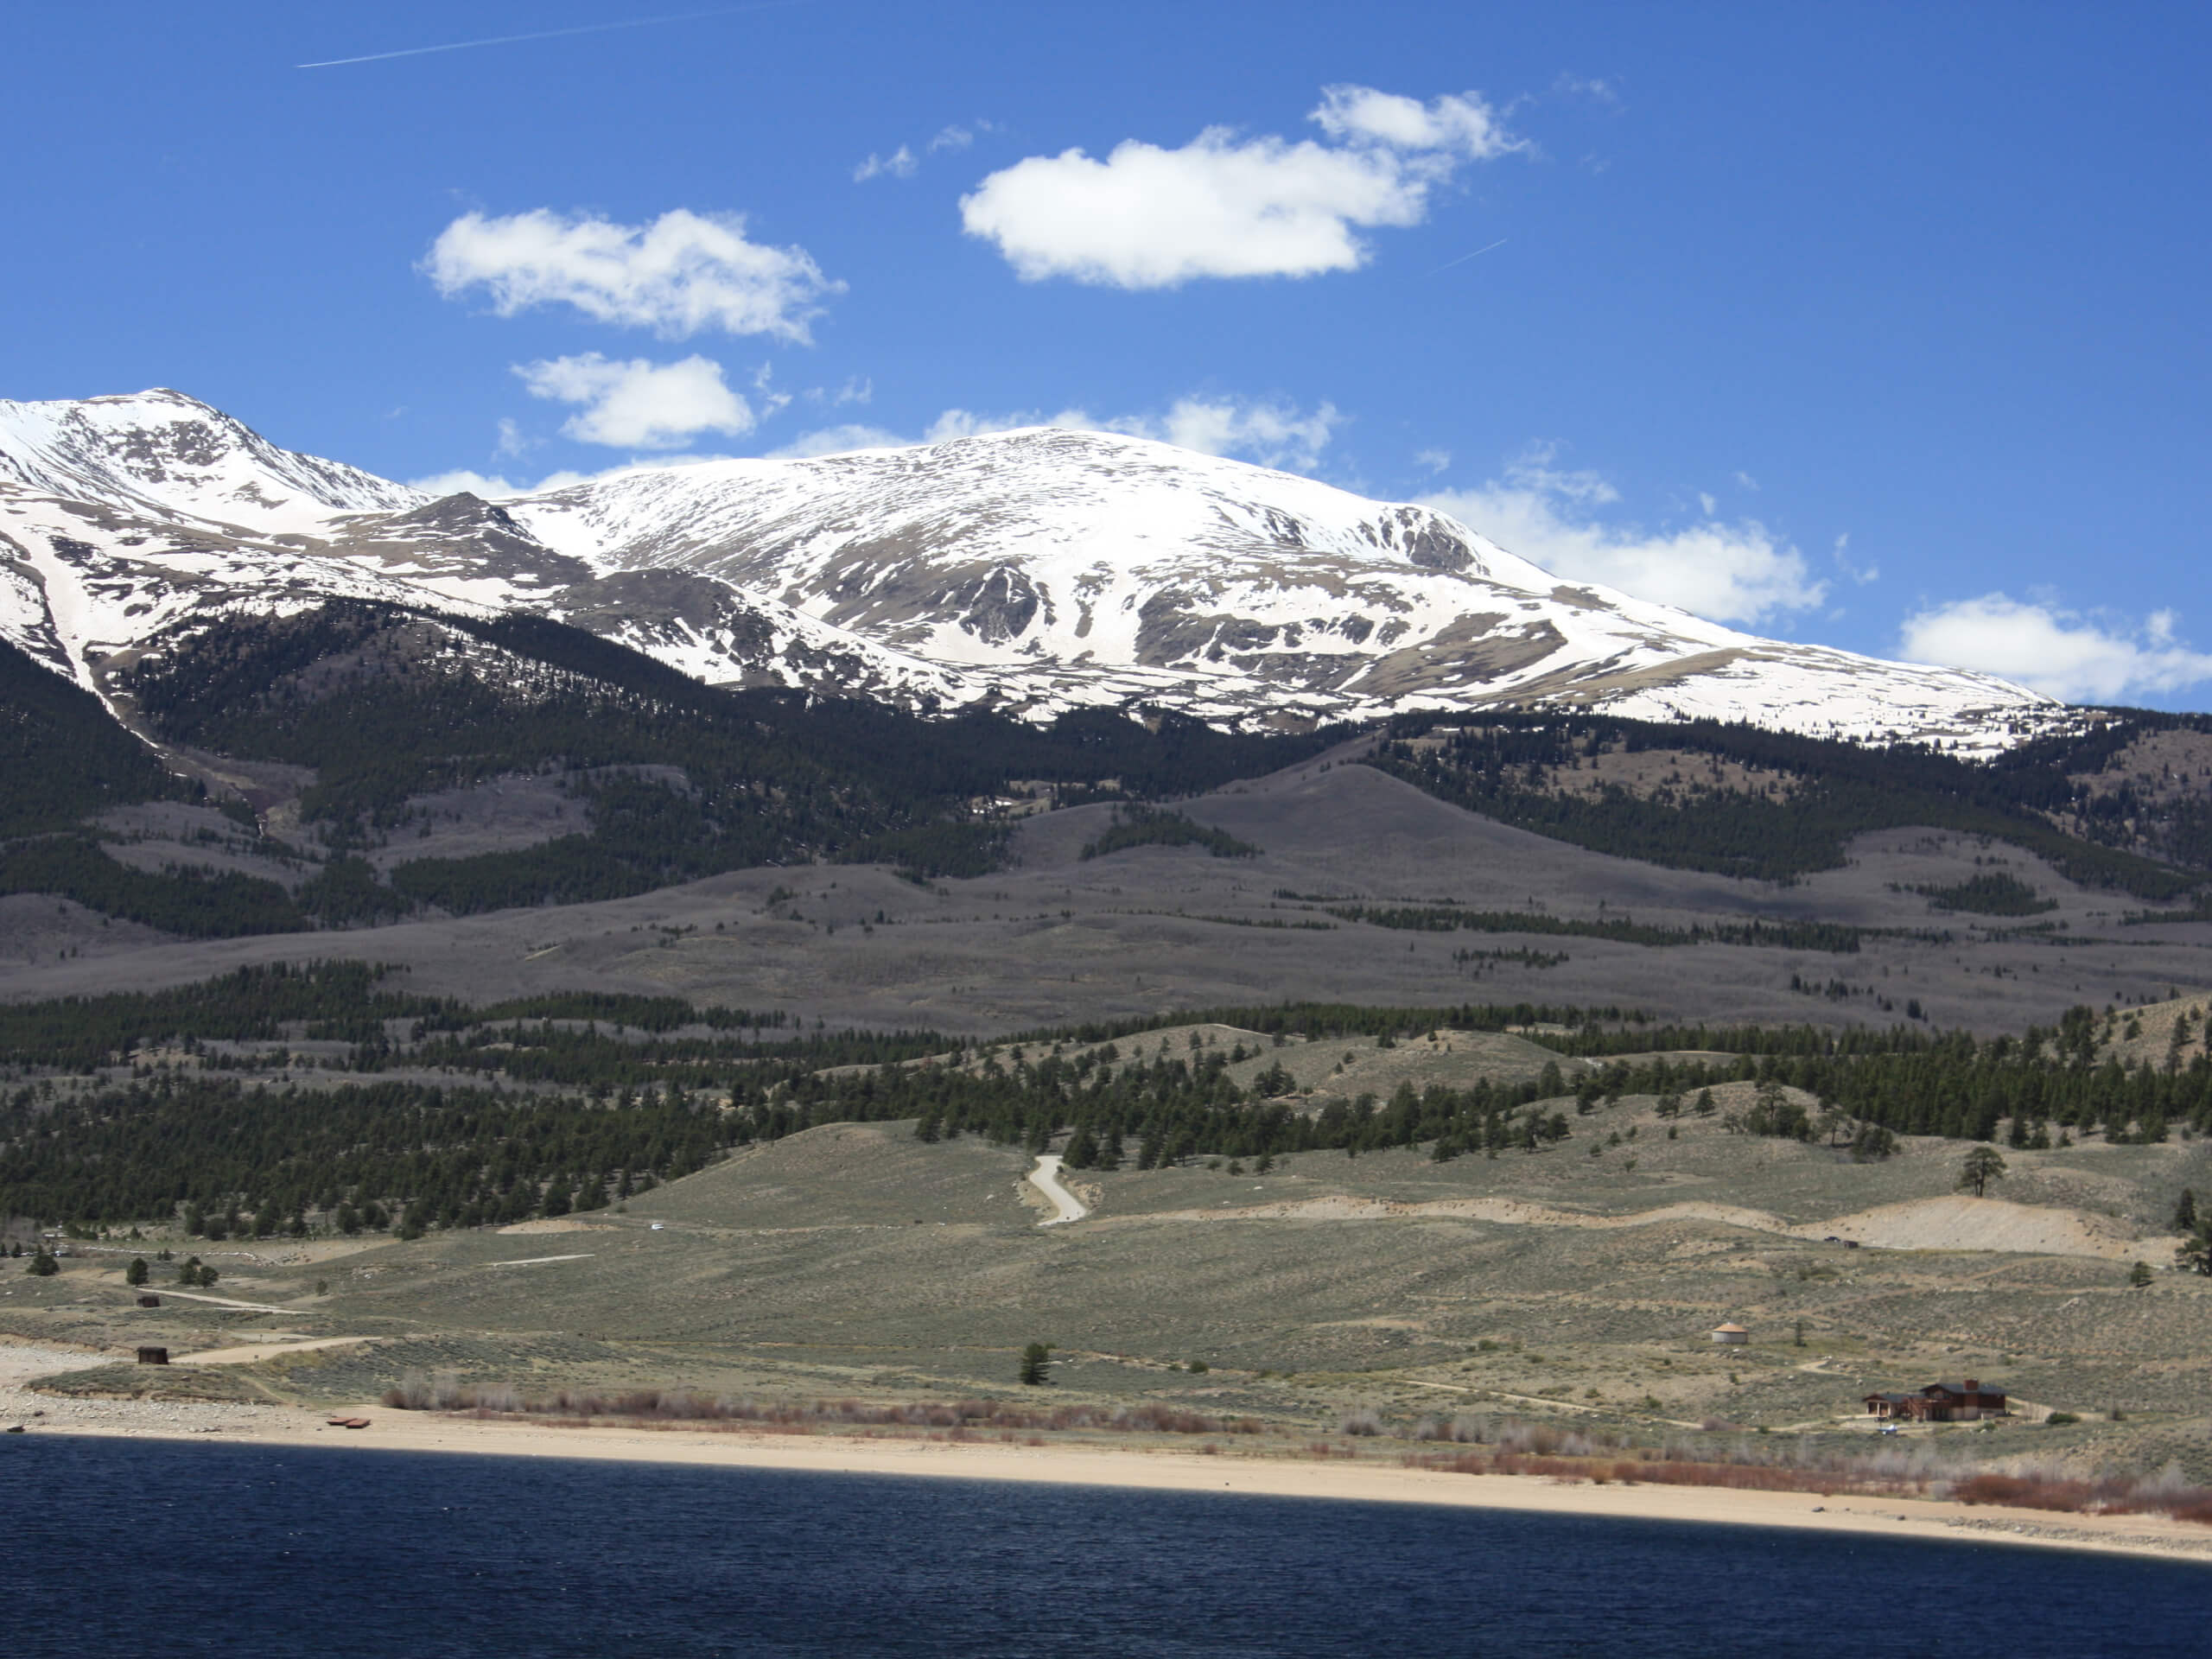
(1141, 1469)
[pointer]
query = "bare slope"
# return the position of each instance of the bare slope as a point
(1060, 938)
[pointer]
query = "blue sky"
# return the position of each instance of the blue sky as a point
(1881, 326)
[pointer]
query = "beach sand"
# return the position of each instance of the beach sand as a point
(1141, 1468)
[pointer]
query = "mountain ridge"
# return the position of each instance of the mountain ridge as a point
(1030, 572)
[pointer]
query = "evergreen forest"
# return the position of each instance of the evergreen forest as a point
(324, 1098)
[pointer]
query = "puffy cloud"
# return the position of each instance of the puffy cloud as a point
(900, 163)
(2061, 654)
(1223, 206)
(639, 404)
(1436, 460)
(683, 273)
(1732, 572)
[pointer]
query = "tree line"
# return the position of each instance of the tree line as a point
(1506, 766)
(561, 1105)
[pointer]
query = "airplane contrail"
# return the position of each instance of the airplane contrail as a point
(547, 34)
(1464, 258)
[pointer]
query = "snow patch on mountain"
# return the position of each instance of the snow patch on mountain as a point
(163, 451)
(1034, 571)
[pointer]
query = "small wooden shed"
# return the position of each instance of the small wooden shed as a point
(1731, 1335)
(153, 1356)
(149, 1301)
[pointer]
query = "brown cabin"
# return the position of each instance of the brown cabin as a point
(149, 1301)
(153, 1356)
(1964, 1402)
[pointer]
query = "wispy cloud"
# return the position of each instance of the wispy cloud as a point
(1861, 575)
(901, 163)
(1594, 88)
(547, 35)
(904, 162)
(1269, 431)
(1226, 206)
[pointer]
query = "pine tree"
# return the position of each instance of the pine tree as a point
(138, 1273)
(1037, 1364)
(1982, 1165)
(2185, 1212)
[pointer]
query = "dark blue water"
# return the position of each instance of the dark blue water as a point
(112, 1548)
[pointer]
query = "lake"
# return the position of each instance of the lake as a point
(112, 1546)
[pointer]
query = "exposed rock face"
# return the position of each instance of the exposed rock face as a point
(1035, 571)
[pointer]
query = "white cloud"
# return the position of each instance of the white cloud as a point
(497, 487)
(1706, 500)
(966, 423)
(513, 439)
(839, 440)
(490, 487)
(1223, 206)
(1738, 572)
(1272, 433)
(2062, 653)
(639, 404)
(683, 273)
(1437, 460)
(958, 137)
(900, 163)
(1452, 129)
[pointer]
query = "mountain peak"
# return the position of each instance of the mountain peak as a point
(163, 451)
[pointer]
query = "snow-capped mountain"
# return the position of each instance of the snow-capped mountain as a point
(1033, 571)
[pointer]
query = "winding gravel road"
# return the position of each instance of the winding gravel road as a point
(1045, 1178)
